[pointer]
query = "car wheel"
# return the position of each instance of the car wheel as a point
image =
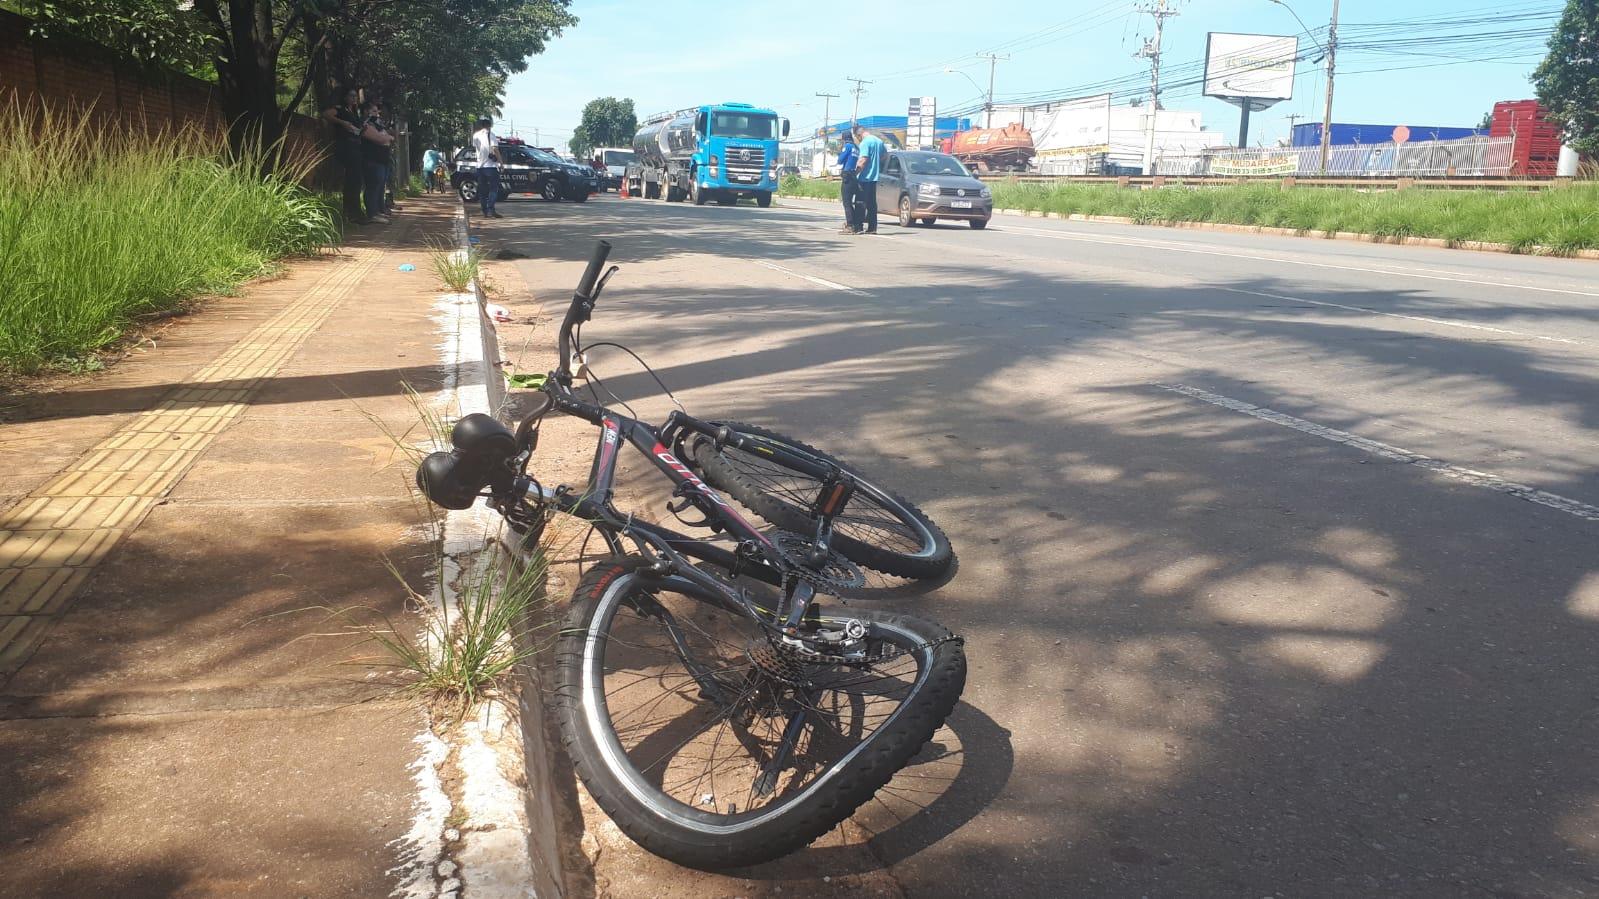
(467, 188)
(978, 224)
(905, 219)
(928, 223)
(550, 191)
(579, 195)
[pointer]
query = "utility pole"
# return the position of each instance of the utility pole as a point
(827, 119)
(988, 105)
(1326, 114)
(857, 90)
(1151, 51)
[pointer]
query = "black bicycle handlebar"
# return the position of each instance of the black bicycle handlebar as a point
(582, 305)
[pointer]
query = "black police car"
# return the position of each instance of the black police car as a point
(526, 170)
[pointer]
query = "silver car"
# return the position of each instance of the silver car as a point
(923, 187)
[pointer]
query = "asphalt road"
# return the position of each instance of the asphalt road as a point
(1278, 556)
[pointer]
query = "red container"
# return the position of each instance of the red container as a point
(1536, 151)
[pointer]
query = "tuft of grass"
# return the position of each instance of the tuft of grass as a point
(103, 227)
(456, 268)
(466, 649)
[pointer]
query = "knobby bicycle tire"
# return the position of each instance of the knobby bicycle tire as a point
(639, 797)
(859, 533)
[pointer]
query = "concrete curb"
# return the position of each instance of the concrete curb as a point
(503, 840)
(1435, 242)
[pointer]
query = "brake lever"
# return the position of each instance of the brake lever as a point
(599, 286)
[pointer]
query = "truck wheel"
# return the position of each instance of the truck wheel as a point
(763, 200)
(697, 194)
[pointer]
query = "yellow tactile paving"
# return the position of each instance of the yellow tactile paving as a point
(51, 540)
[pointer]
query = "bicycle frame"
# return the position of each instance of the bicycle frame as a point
(755, 554)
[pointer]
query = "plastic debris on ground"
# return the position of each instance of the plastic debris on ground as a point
(407, 267)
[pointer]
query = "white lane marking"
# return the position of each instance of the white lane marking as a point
(1386, 451)
(1456, 277)
(1414, 318)
(823, 282)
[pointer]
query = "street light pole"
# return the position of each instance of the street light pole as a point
(1152, 51)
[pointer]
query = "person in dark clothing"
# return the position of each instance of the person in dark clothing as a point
(347, 126)
(849, 186)
(377, 150)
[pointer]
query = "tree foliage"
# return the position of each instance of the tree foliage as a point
(1568, 79)
(437, 63)
(607, 122)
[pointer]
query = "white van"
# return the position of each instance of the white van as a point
(616, 160)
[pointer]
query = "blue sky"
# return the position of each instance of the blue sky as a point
(781, 54)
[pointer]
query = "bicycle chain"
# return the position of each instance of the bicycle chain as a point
(822, 657)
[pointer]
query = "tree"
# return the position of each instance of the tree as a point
(607, 122)
(1567, 80)
(1487, 121)
(270, 57)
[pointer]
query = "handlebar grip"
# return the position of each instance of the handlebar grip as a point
(602, 250)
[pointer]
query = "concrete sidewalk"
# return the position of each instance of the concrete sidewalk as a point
(171, 722)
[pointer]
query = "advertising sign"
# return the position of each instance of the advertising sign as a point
(921, 123)
(1250, 66)
(1264, 165)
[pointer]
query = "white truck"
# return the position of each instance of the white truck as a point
(616, 160)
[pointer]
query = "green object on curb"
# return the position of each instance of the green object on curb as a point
(527, 380)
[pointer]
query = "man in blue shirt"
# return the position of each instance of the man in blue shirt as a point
(867, 170)
(849, 188)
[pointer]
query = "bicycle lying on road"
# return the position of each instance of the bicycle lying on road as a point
(717, 712)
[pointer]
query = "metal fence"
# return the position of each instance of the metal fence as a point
(1464, 158)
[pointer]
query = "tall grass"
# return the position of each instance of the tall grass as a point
(101, 227)
(1559, 220)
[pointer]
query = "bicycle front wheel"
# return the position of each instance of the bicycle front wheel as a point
(878, 528)
(712, 746)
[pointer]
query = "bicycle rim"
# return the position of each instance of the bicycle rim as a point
(704, 757)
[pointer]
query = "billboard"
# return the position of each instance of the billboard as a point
(1250, 66)
(1069, 125)
(921, 123)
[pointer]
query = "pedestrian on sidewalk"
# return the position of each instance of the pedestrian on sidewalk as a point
(378, 153)
(488, 167)
(433, 169)
(345, 119)
(849, 187)
(867, 170)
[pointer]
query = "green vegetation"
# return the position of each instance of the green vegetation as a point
(607, 122)
(1559, 220)
(1568, 79)
(815, 188)
(456, 268)
(100, 230)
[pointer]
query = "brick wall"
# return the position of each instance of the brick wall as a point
(75, 75)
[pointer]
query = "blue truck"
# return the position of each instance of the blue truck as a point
(720, 152)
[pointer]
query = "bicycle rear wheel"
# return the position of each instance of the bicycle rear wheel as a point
(713, 747)
(878, 528)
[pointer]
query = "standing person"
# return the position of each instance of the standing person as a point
(377, 152)
(488, 167)
(867, 169)
(432, 161)
(346, 121)
(849, 188)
